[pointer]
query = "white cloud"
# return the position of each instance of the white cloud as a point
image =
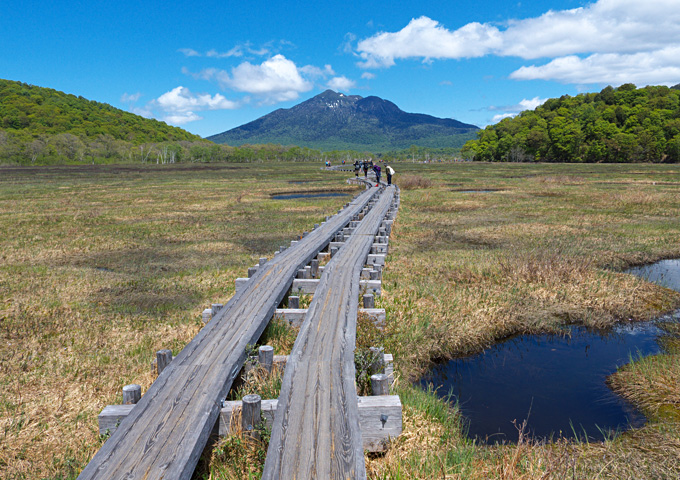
(181, 100)
(275, 80)
(130, 97)
(181, 118)
(513, 110)
(341, 83)
(499, 117)
(179, 105)
(609, 41)
(661, 67)
(426, 38)
(607, 26)
(368, 76)
(316, 72)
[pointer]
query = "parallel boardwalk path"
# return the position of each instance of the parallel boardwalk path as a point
(166, 432)
(316, 430)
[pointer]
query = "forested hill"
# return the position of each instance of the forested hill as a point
(42, 123)
(624, 124)
(43, 111)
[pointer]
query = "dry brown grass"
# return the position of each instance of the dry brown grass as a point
(99, 271)
(412, 182)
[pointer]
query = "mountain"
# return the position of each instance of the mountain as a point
(333, 121)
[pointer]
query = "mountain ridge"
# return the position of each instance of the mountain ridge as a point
(334, 121)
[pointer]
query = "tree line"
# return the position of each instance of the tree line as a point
(624, 124)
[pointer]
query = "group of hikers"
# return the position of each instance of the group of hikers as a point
(367, 165)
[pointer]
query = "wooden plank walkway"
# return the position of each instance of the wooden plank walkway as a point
(316, 431)
(166, 432)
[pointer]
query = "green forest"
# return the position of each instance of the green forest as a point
(624, 124)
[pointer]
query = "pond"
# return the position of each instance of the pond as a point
(554, 382)
(292, 196)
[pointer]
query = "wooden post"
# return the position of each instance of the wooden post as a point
(315, 268)
(216, 307)
(301, 273)
(379, 384)
(308, 272)
(252, 271)
(206, 316)
(132, 394)
(375, 275)
(369, 301)
(163, 359)
(250, 414)
(265, 355)
(378, 363)
(263, 260)
(293, 302)
(334, 250)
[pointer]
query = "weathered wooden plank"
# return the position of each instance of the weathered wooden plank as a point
(164, 435)
(309, 286)
(375, 433)
(316, 431)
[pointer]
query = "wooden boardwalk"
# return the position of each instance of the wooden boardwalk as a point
(316, 432)
(166, 432)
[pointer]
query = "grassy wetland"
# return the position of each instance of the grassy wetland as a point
(101, 266)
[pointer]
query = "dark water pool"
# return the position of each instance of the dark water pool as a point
(554, 382)
(291, 196)
(665, 272)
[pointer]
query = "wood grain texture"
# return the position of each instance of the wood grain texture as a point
(316, 433)
(164, 435)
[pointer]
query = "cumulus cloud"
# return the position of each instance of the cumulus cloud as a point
(609, 41)
(659, 67)
(426, 38)
(277, 79)
(342, 83)
(368, 76)
(179, 105)
(180, 99)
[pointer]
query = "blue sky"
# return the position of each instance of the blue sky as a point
(212, 66)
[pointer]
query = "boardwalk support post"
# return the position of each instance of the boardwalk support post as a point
(379, 384)
(265, 356)
(132, 394)
(250, 414)
(163, 359)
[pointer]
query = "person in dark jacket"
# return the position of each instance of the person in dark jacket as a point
(376, 169)
(365, 168)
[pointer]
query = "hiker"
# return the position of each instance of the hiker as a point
(389, 171)
(376, 169)
(365, 168)
(357, 167)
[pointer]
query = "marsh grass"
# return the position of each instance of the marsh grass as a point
(102, 266)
